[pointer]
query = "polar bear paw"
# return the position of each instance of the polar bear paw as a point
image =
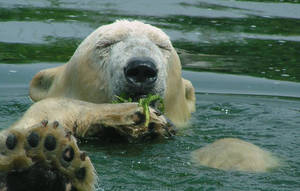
(43, 157)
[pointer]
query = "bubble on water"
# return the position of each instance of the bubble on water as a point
(225, 110)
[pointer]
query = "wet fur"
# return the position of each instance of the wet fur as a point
(95, 71)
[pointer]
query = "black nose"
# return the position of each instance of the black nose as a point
(141, 72)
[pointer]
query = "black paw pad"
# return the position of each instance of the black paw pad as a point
(68, 154)
(80, 173)
(11, 141)
(50, 143)
(33, 139)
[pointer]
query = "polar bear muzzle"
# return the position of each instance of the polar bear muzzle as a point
(141, 74)
(137, 67)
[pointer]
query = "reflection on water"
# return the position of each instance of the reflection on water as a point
(258, 38)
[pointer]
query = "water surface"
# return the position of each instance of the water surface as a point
(242, 57)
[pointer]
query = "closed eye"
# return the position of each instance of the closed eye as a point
(164, 47)
(105, 43)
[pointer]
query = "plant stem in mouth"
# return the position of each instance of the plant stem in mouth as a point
(144, 103)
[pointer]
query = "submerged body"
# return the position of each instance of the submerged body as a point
(236, 155)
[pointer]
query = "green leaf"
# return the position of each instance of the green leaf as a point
(144, 103)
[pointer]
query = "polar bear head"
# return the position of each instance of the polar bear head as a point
(130, 58)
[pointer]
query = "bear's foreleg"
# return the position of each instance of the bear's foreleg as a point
(126, 121)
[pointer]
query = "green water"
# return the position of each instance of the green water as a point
(246, 61)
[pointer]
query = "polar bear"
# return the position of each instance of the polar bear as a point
(122, 58)
(125, 57)
(74, 100)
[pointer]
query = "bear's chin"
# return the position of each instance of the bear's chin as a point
(136, 96)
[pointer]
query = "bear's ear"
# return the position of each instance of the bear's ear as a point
(189, 94)
(42, 82)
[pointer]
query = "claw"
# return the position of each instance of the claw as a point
(68, 135)
(75, 126)
(44, 123)
(157, 112)
(82, 156)
(55, 124)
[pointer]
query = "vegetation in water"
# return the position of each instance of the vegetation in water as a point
(144, 103)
